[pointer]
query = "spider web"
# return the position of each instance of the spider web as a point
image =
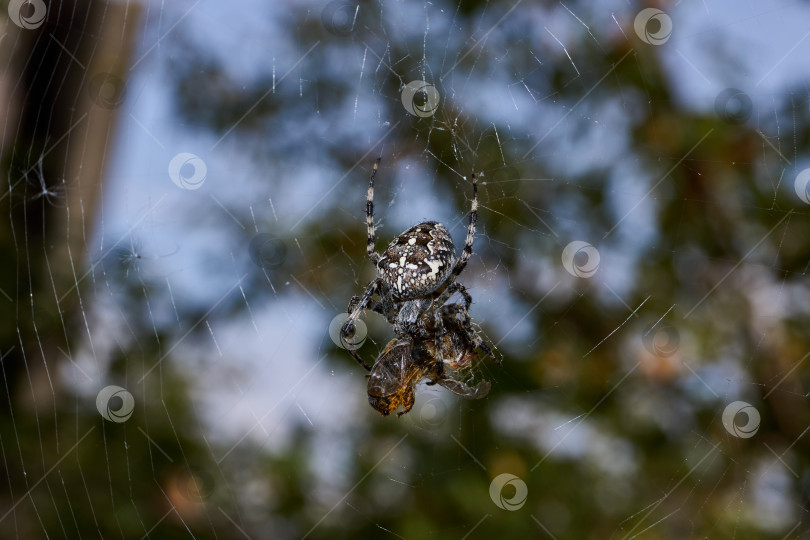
(186, 221)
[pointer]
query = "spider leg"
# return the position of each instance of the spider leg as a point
(372, 255)
(376, 307)
(468, 243)
(439, 354)
(354, 310)
(481, 344)
(357, 305)
(453, 310)
(454, 287)
(359, 360)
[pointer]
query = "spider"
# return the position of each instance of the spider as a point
(407, 360)
(416, 276)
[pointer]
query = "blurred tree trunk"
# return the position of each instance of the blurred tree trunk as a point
(62, 84)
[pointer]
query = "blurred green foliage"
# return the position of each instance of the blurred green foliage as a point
(159, 476)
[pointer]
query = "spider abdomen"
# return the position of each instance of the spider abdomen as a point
(418, 261)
